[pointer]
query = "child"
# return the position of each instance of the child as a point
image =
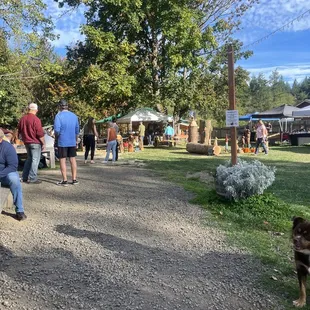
(136, 144)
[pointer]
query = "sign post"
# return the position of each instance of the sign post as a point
(232, 113)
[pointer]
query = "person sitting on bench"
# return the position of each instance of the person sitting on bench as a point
(9, 176)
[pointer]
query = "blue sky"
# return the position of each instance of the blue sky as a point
(287, 50)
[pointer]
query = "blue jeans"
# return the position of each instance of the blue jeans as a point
(12, 181)
(30, 170)
(111, 146)
(262, 142)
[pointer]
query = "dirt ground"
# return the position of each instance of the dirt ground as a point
(121, 239)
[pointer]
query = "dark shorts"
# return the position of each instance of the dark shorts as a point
(64, 152)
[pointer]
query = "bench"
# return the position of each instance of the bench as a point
(170, 143)
(50, 151)
(6, 199)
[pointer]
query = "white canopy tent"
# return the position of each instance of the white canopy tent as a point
(302, 113)
(144, 115)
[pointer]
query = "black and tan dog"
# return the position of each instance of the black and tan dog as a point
(301, 243)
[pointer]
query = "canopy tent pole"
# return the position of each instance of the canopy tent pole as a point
(281, 130)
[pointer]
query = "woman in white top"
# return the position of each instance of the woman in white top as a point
(261, 137)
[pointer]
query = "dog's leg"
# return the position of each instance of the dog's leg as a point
(302, 278)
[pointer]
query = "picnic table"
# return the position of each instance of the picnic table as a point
(50, 151)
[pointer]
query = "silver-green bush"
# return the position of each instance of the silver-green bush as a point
(244, 179)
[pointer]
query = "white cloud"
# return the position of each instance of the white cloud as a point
(290, 72)
(67, 22)
(67, 38)
(273, 14)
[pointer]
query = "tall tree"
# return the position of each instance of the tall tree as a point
(281, 91)
(261, 95)
(172, 41)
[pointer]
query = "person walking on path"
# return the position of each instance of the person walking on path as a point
(141, 130)
(90, 132)
(261, 136)
(31, 131)
(9, 175)
(111, 143)
(66, 127)
(115, 126)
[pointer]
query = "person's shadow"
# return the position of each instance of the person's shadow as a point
(9, 214)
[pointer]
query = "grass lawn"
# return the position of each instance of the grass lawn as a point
(262, 225)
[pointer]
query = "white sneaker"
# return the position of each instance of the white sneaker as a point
(85, 161)
(92, 162)
(104, 162)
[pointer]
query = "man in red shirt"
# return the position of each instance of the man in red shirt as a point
(31, 131)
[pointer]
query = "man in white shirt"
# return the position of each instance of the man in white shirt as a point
(261, 137)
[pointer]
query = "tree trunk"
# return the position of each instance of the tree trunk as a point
(202, 125)
(198, 148)
(208, 132)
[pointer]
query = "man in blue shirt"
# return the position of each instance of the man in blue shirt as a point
(66, 127)
(9, 176)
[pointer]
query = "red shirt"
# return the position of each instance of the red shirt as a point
(30, 128)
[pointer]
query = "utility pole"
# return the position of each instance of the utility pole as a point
(232, 102)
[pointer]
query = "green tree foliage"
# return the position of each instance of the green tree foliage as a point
(171, 47)
(27, 29)
(281, 91)
(12, 92)
(260, 94)
(24, 23)
(99, 70)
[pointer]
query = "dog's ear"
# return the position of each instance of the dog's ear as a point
(297, 220)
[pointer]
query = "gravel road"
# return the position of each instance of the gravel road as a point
(121, 239)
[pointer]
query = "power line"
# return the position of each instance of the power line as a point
(278, 29)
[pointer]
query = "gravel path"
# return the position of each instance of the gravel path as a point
(121, 239)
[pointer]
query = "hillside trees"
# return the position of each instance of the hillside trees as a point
(24, 52)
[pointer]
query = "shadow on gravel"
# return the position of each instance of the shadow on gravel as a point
(205, 273)
(9, 214)
(152, 278)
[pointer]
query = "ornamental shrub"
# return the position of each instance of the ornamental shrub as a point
(244, 179)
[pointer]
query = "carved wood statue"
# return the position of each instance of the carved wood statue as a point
(208, 132)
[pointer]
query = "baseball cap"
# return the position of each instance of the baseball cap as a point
(33, 106)
(1, 133)
(63, 103)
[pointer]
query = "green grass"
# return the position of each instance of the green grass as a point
(261, 224)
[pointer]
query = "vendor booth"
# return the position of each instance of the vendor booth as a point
(302, 135)
(144, 115)
(153, 121)
(282, 114)
(302, 113)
